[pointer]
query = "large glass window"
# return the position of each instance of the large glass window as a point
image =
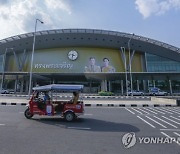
(160, 64)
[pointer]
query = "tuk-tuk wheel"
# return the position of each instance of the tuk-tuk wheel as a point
(28, 114)
(69, 116)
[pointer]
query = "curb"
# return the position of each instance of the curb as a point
(102, 105)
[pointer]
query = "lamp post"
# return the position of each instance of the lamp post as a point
(130, 72)
(3, 65)
(32, 56)
(125, 67)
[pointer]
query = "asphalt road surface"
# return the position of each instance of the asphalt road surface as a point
(99, 131)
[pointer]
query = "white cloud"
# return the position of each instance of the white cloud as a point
(156, 7)
(18, 16)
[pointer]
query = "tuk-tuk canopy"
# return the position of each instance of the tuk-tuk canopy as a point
(59, 87)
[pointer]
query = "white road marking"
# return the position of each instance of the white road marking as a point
(79, 128)
(158, 111)
(143, 111)
(174, 118)
(2, 124)
(176, 109)
(171, 120)
(171, 129)
(164, 111)
(146, 122)
(136, 110)
(156, 122)
(172, 111)
(88, 114)
(166, 122)
(150, 110)
(176, 134)
(129, 111)
(169, 137)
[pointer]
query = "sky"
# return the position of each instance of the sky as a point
(155, 19)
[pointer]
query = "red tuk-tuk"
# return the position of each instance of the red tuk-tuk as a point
(53, 107)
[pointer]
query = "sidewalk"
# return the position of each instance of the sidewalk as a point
(102, 103)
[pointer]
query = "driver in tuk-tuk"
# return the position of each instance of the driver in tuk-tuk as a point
(41, 102)
(46, 98)
(75, 97)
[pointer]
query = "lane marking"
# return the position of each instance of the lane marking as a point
(176, 134)
(156, 122)
(129, 111)
(150, 110)
(171, 129)
(79, 128)
(166, 122)
(174, 118)
(172, 111)
(169, 137)
(136, 110)
(158, 111)
(164, 111)
(143, 111)
(88, 114)
(171, 120)
(146, 122)
(2, 124)
(175, 109)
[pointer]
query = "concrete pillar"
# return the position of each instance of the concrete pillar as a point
(144, 85)
(15, 84)
(170, 87)
(122, 90)
(90, 87)
(22, 85)
(104, 85)
(109, 83)
(138, 85)
(27, 86)
(154, 84)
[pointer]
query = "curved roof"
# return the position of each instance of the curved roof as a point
(89, 38)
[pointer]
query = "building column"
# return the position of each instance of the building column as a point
(109, 83)
(122, 89)
(144, 85)
(104, 85)
(27, 86)
(90, 87)
(154, 84)
(138, 85)
(170, 87)
(15, 84)
(22, 85)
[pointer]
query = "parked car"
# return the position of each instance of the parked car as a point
(136, 93)
(4, 91)
(157, 92)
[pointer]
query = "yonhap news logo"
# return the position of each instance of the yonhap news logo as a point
(130, 139)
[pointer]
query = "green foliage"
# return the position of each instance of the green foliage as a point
(105, 93)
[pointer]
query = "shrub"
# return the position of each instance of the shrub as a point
(106, 93)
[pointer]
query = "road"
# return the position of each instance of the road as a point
(99, 131)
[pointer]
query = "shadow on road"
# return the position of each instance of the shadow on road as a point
(93, 124)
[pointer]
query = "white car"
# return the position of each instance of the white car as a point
(135, 93)
(159, 93)
(4, 91)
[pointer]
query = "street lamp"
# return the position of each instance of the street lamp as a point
(3, 65)
(32, 56)
(130, 72)
(125, 67)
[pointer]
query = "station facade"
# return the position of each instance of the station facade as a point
(100, 60)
